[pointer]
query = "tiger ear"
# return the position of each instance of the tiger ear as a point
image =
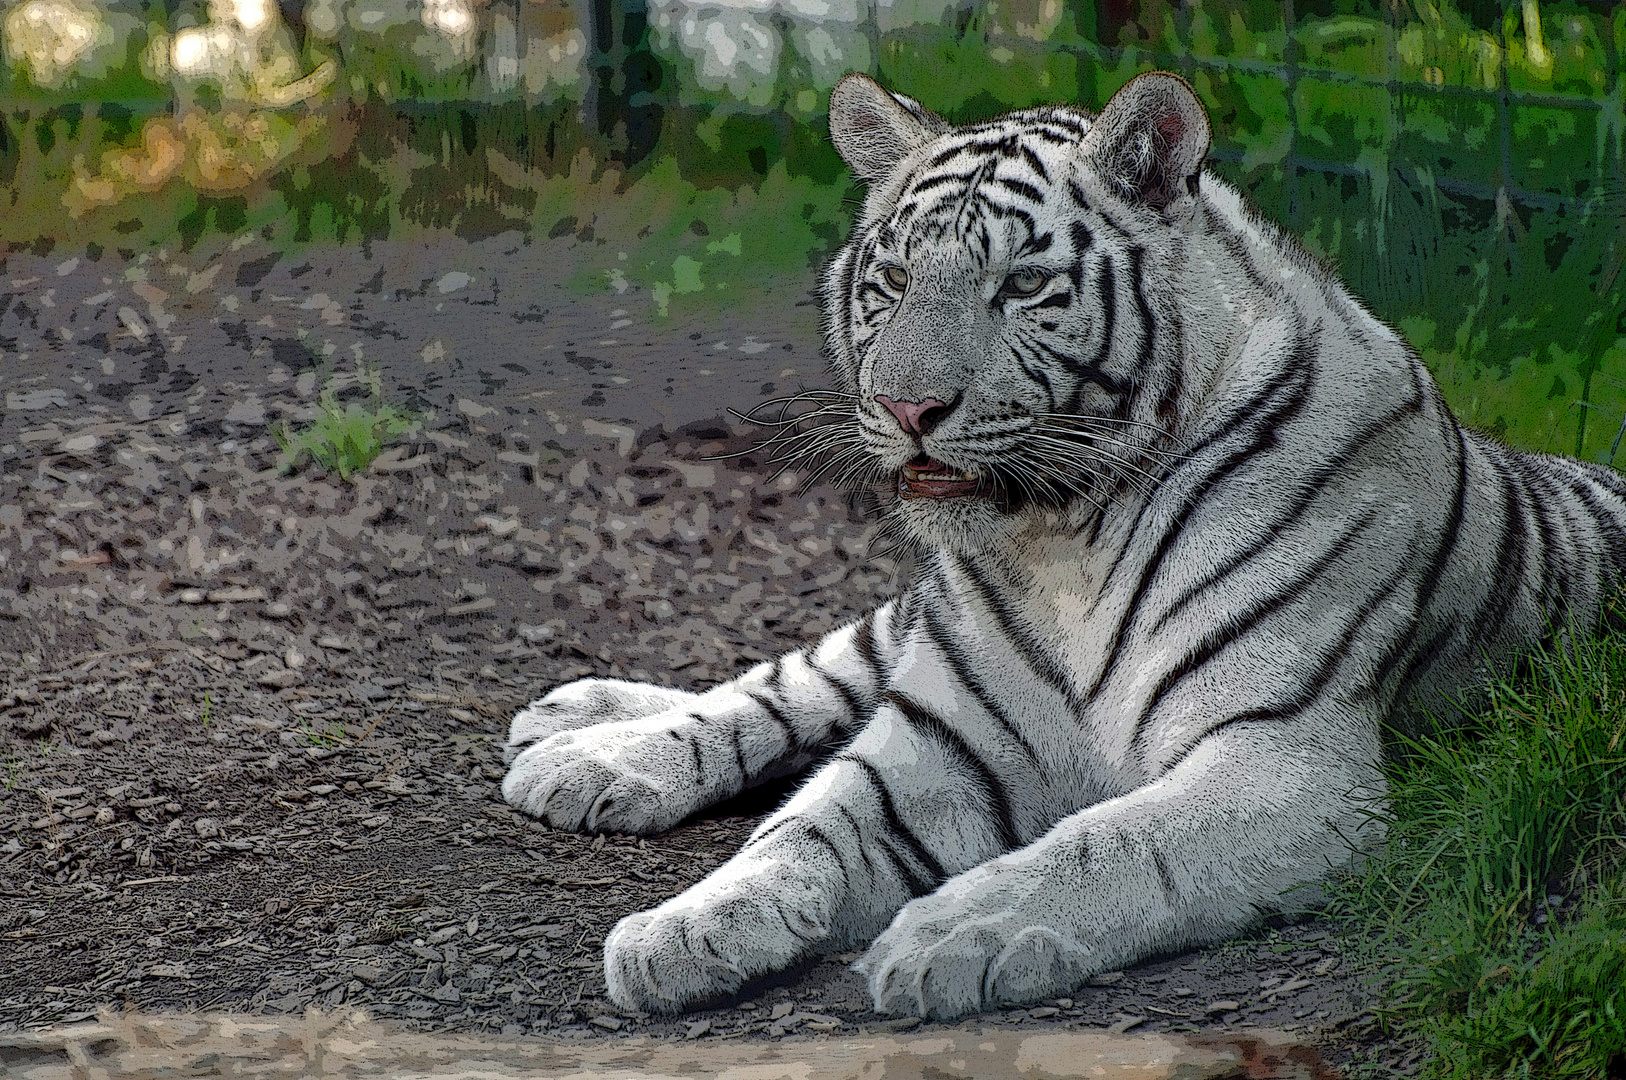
(874, 130)
(1150, 140)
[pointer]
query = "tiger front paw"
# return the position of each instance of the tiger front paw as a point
(619, 778)
(953, 953)
(584, 703)
(705, 944)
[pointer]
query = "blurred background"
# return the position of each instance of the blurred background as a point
(1459, 163)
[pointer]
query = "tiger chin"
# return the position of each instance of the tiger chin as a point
(1194, 526)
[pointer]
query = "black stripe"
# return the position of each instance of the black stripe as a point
(1605, 476)
(1072, 364)
(858, 839)
(793, 740)
(1078, 195)
(1033, 655)
(1606, 524)
(1164, 875)
(931, 726)
(1609, 526)
(1036, 374)
(864, 641)
(918, 884)
(1020, 187)
(1310, 491)
(1238, 248)
(1148, 323)
(940, 180)
(819, 835)
(1036, 245)
(1003, 147)
(1433, 573)
(849, 697)
(1302, 370)
(964, 668)
(1232, 630)
(1107, 287)
(1309, 691)
(739, 754)
(1422, 661)
(1507, 585)
(1056, 300)
(1530, 478)
(1034, 163)
(1556, 571)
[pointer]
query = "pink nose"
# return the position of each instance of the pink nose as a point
(909, 413)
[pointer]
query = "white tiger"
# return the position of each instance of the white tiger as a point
(1194, 523)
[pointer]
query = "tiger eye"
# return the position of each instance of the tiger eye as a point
(897, 277)
(1025, 283)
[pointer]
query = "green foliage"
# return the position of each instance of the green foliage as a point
(344, 437)
(1486, 823)
(1490, 229)
(327, 736)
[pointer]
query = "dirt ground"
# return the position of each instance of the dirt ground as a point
(251, 723)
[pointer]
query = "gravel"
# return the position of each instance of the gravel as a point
(250, 723)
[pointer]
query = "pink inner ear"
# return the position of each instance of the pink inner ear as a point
(1169, 129)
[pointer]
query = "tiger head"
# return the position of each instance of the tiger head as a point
(1001, 319)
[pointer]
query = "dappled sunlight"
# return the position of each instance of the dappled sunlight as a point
(245, 51)
(247, 54)
(53, 38)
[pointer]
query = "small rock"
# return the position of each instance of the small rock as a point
(1325, 967)
(206, 827)
(900, 1023)
(1182, 991)
(192, 596)
(31, 725)
(1223, 1007)
(1106, 978)
(1125, 1024)
(608, 1023)
(370, 974)
(782, 1010)
(697, 1029)
(447, 995)
(280, 679)
(1044, 1012)
(236, 594)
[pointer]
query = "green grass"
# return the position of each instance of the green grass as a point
(344, 437)
(1487, 822)
(330, 735)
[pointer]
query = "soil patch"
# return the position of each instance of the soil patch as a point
(250, 724)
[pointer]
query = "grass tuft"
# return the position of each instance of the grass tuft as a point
(1496, 914)
(344, 437)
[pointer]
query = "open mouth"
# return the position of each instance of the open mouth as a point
(927, 478)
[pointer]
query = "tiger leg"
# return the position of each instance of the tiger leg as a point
(609, 755)
(1254, 810)
(888, 818)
